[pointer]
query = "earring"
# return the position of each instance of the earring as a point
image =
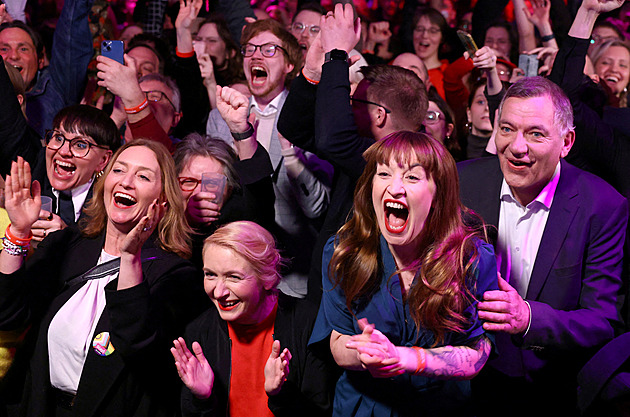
(98, 174)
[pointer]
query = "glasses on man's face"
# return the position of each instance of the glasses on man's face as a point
(267, 50)
(156, 96)
(79, 146)
(432, 117)
(188, 183)
(298, 27)
(358, 100)
(431, 31)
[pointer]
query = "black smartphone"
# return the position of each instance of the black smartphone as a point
(114, 50)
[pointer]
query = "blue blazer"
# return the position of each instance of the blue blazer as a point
(576, 280)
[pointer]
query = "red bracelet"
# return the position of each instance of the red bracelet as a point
(16, 240)
(184, 54)
(422, 360)
(138, 108)
(308, 79)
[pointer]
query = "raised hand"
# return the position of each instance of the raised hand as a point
(22, 199)
(121, 80)
(340, 30)
(276, 368)
(132, 244)
(504, 310)
(539, 15)
(188, 11)
(378, 32)
(233, 107)
(601, 6)
(485, 58)
(194, 370)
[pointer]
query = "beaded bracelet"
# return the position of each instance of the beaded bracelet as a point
(13, 249)
(422, 360)
(16, 240)
(138, 108)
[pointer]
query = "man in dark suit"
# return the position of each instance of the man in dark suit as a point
(559, 253)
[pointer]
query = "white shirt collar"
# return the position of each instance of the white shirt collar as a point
(545, 197)
(272, 107)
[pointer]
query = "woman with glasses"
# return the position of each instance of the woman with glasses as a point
(440, 123)
(429, 34)
(105, 299)
(248, 192)
(77, 150)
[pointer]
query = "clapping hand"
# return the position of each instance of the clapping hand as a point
(194, 370)
(22, 199)
(377, 354)
(276, 368)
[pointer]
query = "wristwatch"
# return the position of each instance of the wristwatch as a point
(337, 55)
(244, 135)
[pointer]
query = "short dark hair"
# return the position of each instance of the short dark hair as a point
(311, 7)
(89, 121)
(401, 91)
(449, 117)
(35, 36)
(156, 45)
(434, 17)
(294, 52)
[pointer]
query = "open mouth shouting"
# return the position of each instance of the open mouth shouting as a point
(124, 200)
(396, 216)
(259, 75)
(64, 169)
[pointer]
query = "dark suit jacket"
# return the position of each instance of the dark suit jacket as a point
(576, 280)
(138, 378)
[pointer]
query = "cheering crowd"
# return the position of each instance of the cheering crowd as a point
(281, 208)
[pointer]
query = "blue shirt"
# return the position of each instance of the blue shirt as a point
(357, 392)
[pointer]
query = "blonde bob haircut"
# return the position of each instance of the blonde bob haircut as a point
(439, 295)
(255, 244)
(173, 230)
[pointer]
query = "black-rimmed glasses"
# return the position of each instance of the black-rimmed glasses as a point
(299, 27)
(79, 146)
(388, 111)
(267, 50)
(156, 95)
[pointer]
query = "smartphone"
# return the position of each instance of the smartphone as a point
(114, 50)
(468, 42)
(529, 64)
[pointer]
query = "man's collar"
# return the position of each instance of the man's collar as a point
(545, 197)
(273, 105)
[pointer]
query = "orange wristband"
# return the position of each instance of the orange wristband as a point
(422, 360)
(308, 79)
(16, 240)
(138, 108)
(184, 54)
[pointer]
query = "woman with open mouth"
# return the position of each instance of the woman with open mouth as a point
(404, 275)
(249, 354)
(103, 299)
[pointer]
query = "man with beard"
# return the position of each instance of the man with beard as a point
(272, 57)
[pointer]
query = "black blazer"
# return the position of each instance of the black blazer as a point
(138, 378)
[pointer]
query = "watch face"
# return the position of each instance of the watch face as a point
(336, 54)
